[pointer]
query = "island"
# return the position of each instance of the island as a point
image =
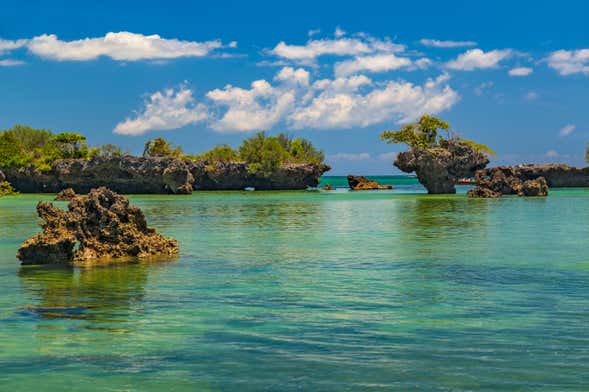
(40, 161)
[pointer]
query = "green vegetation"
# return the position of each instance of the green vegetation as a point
(6, 189)
(426, 133)
(160, 147)
(587, 154)
(264, 154)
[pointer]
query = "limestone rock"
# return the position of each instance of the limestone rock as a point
(67, 194)
(438, 168)
(103, 226)
(506, 180)
(361, 183)
(537, 187)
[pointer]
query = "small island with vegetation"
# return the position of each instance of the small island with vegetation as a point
(40, 161)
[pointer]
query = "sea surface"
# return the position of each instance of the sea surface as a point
(315, 291)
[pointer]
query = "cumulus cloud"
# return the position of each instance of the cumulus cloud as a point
(122, 46)
(376, 63)
(397, 101)
(10, 62)
(567, 130)
(446, 44)
(478, 59)
(296, 102)
(8, 45)
(336, 47)
(339, 32)
(345, 156)
(164, 110)
(520, 71)
(568, 62)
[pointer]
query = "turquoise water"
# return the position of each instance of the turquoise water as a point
(321, 291)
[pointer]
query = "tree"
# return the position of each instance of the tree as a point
(220, 153)
(422, 134)
(67, 145)
(303, 151)
(263, 154)
(109, 150)
(11, 151)
(159, 147)
(426, 133)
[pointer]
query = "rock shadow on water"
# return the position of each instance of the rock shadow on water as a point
(107, 297)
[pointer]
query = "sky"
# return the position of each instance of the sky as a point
(512, 75)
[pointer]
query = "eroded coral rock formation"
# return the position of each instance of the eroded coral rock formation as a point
(67, 194)
(361, 183)
(132, 175)
(505, 180)
(438, 168)
(100, 226)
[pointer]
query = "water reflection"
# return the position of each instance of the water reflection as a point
(106, 296)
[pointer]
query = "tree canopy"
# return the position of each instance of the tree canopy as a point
(427, 132)
(160, 147)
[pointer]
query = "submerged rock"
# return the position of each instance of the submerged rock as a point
(328, 187)
(438, 168)
(100, 226)
(361, 183)
(67, 194)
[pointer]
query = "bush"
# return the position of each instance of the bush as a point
(160, 147)
(222, 153)
(6, 189)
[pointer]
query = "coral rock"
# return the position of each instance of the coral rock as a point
(66, 195)
(438, 168)
(102, 225)
(361, 183)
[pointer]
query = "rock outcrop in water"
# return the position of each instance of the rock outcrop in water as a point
(67, 194)
(556, 175)
(133, 175)
(100, 226)
(438, 168)
(505, 180)
(361, 183)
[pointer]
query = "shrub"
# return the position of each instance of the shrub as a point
(160, 147)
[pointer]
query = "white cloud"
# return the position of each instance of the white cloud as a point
(388, 156)
(164, 110)
(477, 59)
(552, 154)
(339, 32)
(376, 63)
(313, 32)
(8, 45)
(335, 47)
(291, 99)
(345, 156)
(122, 46)
(567, 130)
(422, 63)
(10, 62)
(520, 71)
(568, 62)
(398, 101)
(446, 44)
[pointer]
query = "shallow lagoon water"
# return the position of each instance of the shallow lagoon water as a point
(334, 291)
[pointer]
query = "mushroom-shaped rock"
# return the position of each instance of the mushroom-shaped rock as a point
(361, 183)
(103, 226)
(439, 167)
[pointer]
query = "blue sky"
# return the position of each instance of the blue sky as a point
(514, 75)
